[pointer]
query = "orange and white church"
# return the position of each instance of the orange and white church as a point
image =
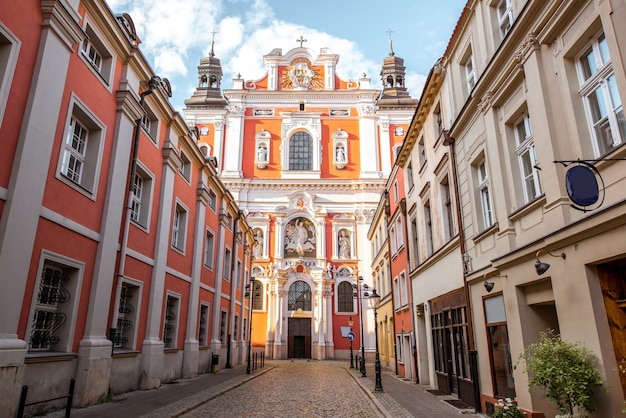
(306, 155)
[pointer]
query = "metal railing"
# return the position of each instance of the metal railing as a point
(68, 405)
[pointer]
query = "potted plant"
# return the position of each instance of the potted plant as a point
(564, 370)
(507, 409)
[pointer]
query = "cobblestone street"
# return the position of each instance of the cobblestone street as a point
(298, 388)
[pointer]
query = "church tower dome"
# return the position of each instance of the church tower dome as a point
(208, 92)
(393, 80)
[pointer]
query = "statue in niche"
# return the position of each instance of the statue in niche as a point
(258, 248)
(262, 153)
(340, 154)
(344, 244)
(300, 238)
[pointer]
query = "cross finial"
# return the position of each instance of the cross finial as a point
(301, 40)
(213, 42)
(391, 53)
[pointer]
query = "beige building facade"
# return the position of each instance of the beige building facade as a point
(535, 91)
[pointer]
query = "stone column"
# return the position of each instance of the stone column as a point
(152, 350)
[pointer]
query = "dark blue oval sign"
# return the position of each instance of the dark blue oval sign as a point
(582, 185)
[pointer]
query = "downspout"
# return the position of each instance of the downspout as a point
(412, 307)
(473, 355)
(233, 285)
(152, 84)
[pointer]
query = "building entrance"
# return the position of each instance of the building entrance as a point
(299, 345)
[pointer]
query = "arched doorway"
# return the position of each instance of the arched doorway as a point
(299, 324)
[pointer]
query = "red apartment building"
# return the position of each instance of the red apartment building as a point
(124, 257)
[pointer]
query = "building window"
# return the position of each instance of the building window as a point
(212, 200)
(299, 296)
(257, 296)
(396, 293)
(227, 260)
(140, 198)
(126, 317)
(409, 175)
(598, 88)
(404, 299)
(170, 323)
(185, 167)
(223, 324)
(484, 194)
(9, 50)
(80, 156)
(392, 238)
(446, 206)
(469, 70)
(399, 233)
(179, 227)
(345, 299)
(238, 275)
(438, 120)
(421, 147)
(209, 249)
(97, 55)
(504, 11)
(428, 228)
(50, 328)
(526, 157)
(150, 124)
(499, 347)
(414, 260)
(203, 326)
(301, 151)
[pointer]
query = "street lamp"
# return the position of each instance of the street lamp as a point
(350, 323)
(363, 293)
(249, 290)
(374, 302)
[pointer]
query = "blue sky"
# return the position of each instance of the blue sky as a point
(175, 34)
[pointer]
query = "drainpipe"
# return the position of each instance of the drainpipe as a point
(154, 82)
(393, 301)
(473, 355)
(411, 305)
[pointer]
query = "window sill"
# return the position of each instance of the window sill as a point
(528, 207)
(170, 350)
(122, 353)
(48, 357)
(487, 232)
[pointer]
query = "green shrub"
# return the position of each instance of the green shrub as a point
(564, 370)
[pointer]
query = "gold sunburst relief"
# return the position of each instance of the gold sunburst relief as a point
(301, 75)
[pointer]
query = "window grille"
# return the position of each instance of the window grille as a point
(301, 151)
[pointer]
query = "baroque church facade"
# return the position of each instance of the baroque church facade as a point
(305, 153)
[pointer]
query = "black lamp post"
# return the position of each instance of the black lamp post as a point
(249, 290)
(350, 323)
(374, 301)
(363, 293)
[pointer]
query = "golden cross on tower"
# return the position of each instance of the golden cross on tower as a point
(391, 53)
(301, 40)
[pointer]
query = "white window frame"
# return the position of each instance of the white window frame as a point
(504, 12)
(447, 208)
(141, 203)
(469, 69)
(171, 318)
(422, 154)
(125, 313)
(203, 334)
(185, 167)
(597, 78)
(209, 249)
(404, 294)
(409, 175)
(482, 177)
(75, 270)
(97, 54)
(10, 47)
(150, 124)
(227, 273)
(179, 226)
(527, 158)
(428, 228)
(86, 181)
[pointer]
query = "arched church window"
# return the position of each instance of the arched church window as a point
(389, 81)
(345, 300)
(299, 296)
(301, 151)
(399, 81)
(257, 296)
